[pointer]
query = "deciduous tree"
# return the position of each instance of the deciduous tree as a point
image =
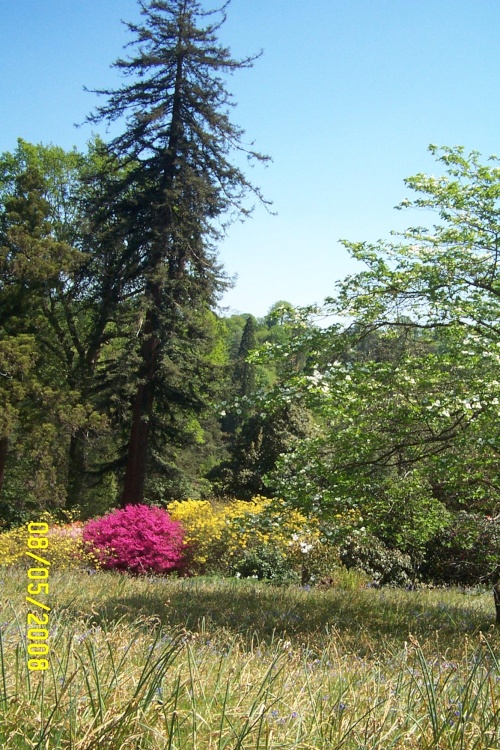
(406, 394)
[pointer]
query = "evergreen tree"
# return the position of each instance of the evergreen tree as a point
(178, 140)
(244, 372)
(243, 382)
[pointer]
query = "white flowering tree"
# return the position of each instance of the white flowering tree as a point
(409, 432)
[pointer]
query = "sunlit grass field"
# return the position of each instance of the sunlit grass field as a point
(211, 664)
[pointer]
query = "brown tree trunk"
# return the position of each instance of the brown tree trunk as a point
(494, 578)
(496, 594)
(135, 472)
(4, 444)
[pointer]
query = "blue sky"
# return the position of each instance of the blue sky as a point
(346, 98)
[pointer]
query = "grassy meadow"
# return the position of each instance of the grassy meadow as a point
(213, 664)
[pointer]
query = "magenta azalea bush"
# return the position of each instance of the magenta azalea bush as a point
(138, 539)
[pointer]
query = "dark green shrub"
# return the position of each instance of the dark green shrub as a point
(385, 566)
(465, 552)
(265, 562)
(403, 514)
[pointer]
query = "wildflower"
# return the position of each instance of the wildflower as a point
(82, 636)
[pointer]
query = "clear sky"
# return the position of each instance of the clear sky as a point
(346, 98)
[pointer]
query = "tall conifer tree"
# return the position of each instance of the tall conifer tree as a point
(178, 140)
(244, 372)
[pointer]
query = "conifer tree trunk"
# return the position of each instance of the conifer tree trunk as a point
(142, 412)
(496, 595)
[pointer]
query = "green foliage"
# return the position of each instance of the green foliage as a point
(405, 396)
(385, 566)
(316, 561)
(68, 345)
(244, 371)
(447, 274)
(261, 439)
(404, 515)
(466, 552)
(48, 278)
(265, 562)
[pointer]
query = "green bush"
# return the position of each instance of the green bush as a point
(465, 552)
(385, 566)
(265, 562)
(404, 515)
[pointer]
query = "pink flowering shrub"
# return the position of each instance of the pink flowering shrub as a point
(138, 538)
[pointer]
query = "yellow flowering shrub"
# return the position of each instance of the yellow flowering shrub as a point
(13, 545)
(65, 549)
(221, 534)
(259, 522)
(286, 531)
(203, 524)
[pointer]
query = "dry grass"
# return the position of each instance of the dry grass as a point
(226, 665)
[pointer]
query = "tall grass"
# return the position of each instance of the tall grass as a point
(226, 665)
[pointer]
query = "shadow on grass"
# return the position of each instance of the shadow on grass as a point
(252, 608)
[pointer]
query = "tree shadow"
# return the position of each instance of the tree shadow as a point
(267, 612)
